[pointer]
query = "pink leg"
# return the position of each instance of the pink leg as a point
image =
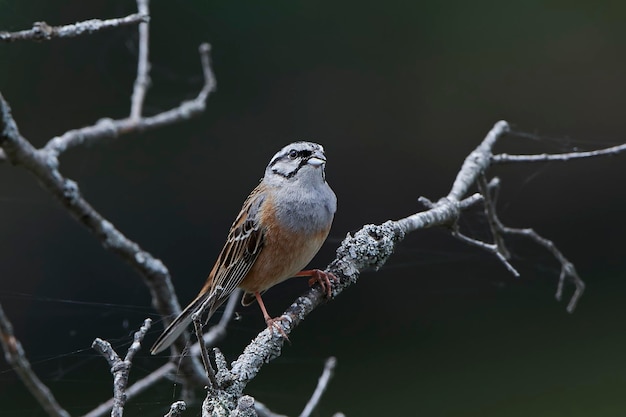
(321, 277)
(268, 320)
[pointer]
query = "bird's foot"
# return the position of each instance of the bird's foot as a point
(321, 277)
(274, 323)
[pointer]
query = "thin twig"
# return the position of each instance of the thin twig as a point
(322, 384)
(41, 31)
(218, 332)
(137, 339)
(504, 158)
(16, 357)
(109, 128)
(204, 354)
(568, 270)
(491, 248)
(135, 389)
(121, 368)
(211, 338)
(492, 217)
(142, 82)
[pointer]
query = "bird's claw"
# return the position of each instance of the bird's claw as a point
(323, 278)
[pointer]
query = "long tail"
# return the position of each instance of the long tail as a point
(180, 323)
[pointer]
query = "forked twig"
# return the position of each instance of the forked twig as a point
(121, 368)
(211, 338)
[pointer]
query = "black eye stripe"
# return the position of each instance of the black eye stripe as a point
(293, 154)
(298, 154)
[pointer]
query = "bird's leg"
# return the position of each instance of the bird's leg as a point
(321, 277)
(271, 322)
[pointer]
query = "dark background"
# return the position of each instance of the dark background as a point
(399, 93)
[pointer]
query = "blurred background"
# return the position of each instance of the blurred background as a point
(398, 93)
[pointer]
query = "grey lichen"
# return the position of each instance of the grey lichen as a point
(370, 247)
(70, 191)
(245, 407)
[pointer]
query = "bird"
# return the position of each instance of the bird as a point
(280, 228)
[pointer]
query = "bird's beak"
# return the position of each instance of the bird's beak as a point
(317, 159)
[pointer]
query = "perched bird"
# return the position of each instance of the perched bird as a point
(281, 226)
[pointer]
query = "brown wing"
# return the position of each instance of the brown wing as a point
(243, 245)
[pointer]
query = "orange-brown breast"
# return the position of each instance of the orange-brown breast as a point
(284, 254)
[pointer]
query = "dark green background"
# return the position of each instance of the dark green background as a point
(398, 92)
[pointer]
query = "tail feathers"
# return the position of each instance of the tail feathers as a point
(180, 323)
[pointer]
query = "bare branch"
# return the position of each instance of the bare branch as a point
(218, 332)
(491, 248)
(16, 357)
(121, 368)
(447, 210)
(135, 389)
(477, 162)
(137, 339)
(109, 128)
(41, 31)
(211, 338)
(504, 158)
(322, 384)
(498, 230)
(44, 167)
(142, 82)
(43, 163)
(492, 216)
(568, 270)
(204, 354)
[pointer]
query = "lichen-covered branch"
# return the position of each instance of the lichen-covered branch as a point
(370, 247)
(176, 409)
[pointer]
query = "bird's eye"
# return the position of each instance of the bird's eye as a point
(293, 153)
